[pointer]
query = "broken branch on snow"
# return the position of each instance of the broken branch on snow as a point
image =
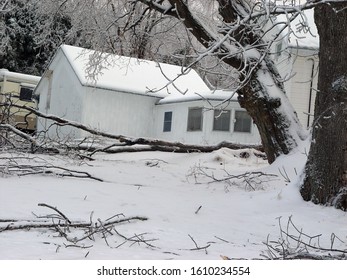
(50, 222)
(252, 180)
(294, 243)
(126, 144)
(29, 169)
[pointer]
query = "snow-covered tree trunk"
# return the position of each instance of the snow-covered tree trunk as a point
(241, 46)
(265, 100)
(326, 169)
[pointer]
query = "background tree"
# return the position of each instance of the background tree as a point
(122, 27)
(29, 36)
(326, 170)
(32, 30)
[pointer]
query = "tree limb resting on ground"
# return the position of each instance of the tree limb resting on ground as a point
(61, 221)
(152, 144)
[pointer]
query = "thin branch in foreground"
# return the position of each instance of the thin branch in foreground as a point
(293, 243)
(197, 210)
(52, 225)
(29, 169)
(56, 210)
(252, 180)
(197, 247)
(136, 239)
(23, 135)
(221, 239)
(71, 230)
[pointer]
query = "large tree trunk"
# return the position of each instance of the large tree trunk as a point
(326, 170)
(263, 94)
(265, 100)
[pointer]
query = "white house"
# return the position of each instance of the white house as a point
(138, 98)
(298, 64)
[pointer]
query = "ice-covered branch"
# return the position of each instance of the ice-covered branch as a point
(294, 243)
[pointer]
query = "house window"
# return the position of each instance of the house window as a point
(278, 50)
(25, 94)
(194, 119)
(167, 121)
(221, 120)
(243, 122)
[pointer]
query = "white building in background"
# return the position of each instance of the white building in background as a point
(138, 98)
(17, 88)
(298, 64)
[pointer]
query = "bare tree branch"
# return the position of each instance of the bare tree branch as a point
(56, 210)
(294, 243)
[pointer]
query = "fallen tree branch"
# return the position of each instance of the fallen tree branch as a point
(145, 145)
(153, 144)
(27, 169)
(252, 180)
(37, 225)
(20, 133)
(49, 222)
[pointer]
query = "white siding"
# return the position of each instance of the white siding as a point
(284, 67)
(207, 135)
(62, 98)
(303, 84)
(118, 112)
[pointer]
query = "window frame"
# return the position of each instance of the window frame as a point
(190, 126)
(167, 124)
(278, 50)
(242, 125)
(217, 117)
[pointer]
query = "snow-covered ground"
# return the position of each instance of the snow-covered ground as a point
(183, 206)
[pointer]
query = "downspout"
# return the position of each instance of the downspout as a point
(311, 92)
(48, 74)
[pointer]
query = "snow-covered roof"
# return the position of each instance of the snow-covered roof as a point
(4, 73)
(303, 30)
(211, 95)
(132, 75)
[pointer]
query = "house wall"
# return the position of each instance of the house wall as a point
(119, 113)
(303, 83)
(207, 135)
(61, 94)
(284, 66)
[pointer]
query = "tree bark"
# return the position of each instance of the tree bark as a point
(264, 99)
(277, 122)
(326, 169)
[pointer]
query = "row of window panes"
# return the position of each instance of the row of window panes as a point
(221, 120)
